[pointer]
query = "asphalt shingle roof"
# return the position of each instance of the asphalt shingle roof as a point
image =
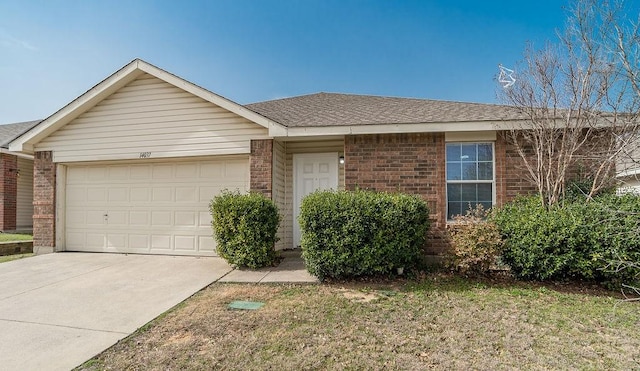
(332, 109)
(9, 132)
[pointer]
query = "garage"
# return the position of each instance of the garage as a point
(148, 208)
(157, 208)
(131, 165)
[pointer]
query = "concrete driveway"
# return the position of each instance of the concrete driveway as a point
(59, 310)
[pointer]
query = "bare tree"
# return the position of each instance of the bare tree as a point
(579, 100)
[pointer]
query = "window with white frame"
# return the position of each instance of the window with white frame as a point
(470, 179)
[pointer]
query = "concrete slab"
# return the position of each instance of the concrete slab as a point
(245, 276)
(291, 269)
(58, 310)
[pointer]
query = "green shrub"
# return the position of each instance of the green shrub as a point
(476, 243)
(349, 234)
(245, 228)
(573, 239)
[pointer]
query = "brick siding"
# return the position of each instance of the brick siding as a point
(44, 202)
(409, 163)
(8, 191)
(416, 164)
(261, 166)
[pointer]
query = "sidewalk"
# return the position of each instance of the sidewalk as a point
(291, 269)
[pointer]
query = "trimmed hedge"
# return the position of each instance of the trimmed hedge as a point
(574, 239)
(356, 233)
(245, 227)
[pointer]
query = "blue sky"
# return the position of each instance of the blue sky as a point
(52, 51)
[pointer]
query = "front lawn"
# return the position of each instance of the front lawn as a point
(11, 237)
(440, 322)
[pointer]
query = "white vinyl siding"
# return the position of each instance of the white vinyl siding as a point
(317, 146)
(24, 205)
(151, 118)
(279, 179)
(147, 207)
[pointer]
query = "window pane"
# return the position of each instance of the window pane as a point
(453, 192)
(468, 152)
(468, 193)
(486, 205)
(453, 171)
(485, 193)
(453, 152)
(454, 209)
(469, 171)
(485, 171)
(485, 152)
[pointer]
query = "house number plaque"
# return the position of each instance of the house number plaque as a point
(145, 154)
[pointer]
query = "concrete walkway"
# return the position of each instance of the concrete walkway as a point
(291, 269)
(59, 310)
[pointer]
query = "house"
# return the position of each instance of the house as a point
(16, 184)
(131, 165)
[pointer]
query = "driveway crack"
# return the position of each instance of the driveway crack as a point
(63, 326)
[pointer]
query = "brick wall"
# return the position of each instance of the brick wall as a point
(511, 174)
(409, 163)
(261, 166)
(44, 202)
(8, 191)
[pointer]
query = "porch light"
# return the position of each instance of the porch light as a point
(341, 160)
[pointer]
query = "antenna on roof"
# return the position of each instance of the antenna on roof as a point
(506, 78)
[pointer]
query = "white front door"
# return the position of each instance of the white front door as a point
(311, 172)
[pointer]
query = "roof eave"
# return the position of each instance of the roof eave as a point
(431, 127)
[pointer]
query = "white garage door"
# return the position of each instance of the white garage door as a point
(150, 208)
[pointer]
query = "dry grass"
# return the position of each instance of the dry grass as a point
(441, 323)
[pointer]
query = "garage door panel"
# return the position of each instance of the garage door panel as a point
(161, 172)
(187, 194)
(118, 194)
(186, 171)
(139, 194)
(139, 241)
(160, 208)
(96, 194)
(211, 171)
(139, 218)
(140, 172)
(118, 218)
(94, 218)
(185, 243)
(97, 173)
(205, 219)
(185, 219)
(96, 241)
(162, 242)
(117, 241)
(206, 243)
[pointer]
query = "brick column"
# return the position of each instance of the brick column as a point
(8, 191)
(44, 202)
(261, 166)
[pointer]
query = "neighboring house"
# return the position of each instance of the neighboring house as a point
(131, 165)
(628, 169)
(16, 184)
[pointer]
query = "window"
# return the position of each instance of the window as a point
(469, 177)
